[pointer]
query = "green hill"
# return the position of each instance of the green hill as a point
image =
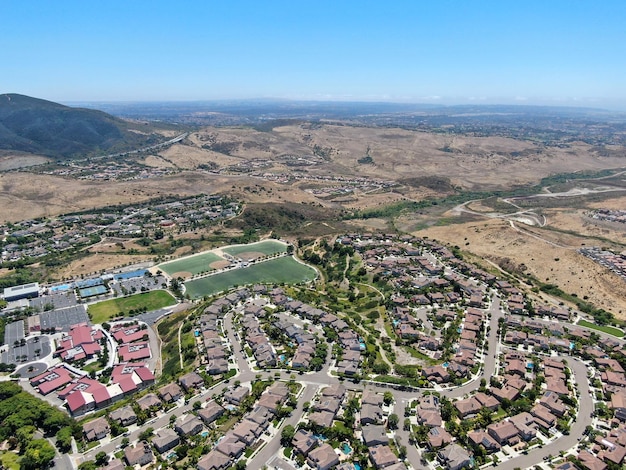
(45, 128)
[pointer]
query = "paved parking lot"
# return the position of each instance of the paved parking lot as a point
(13, 332)
(64, 318)
(33, 348)
(57, 301)
(149, 283)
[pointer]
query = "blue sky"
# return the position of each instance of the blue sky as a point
(536, 52)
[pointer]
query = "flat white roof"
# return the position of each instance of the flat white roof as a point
(32, 287)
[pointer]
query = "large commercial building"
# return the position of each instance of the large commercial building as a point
(25, 291)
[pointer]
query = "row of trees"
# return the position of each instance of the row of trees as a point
(21, 414)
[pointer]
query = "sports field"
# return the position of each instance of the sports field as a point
(279, 270)
(153, 300)
(195, 264)
(266, 248)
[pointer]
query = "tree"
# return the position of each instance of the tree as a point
(392, 421)
(147, 434)
(101, 459)
(64, 439)
(287, 435)
(388, 398)
(38, 454)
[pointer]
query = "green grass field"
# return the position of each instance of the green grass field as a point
(267, 247)
(606, 329)
(285, 269)
(195, 264)
(103, 311)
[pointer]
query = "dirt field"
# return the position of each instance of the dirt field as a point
(479, 163)
(93, 264)
(219, 264)
(182, 274)
(423, 164)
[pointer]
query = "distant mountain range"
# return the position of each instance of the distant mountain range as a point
(46, 128)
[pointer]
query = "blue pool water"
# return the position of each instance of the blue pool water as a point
(61, 288)
(171, 455)
(205, 433)
(282, 358)
(196, 333)
(319, 437)
(346, 449)
(357, 466)
(445, 364)
(530, 365)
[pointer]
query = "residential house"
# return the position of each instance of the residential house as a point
(480, 437)
(374, 435)
(236, 395)
(210, 412)
(141, 454)
(525, 425)
(170, 393)
(371, 398)
(438, 437)
(322, 418)
(371, 414)
(468, 406)
(96, 429)
(504, 432)
(231, 446)
(149, 401)
(303, 442)
(165, 439)
(323, 457)
(188, 425)
(382, 456)
(215, 460)
(454, 457)
(124, 416)
(191, 381)
(247, 431)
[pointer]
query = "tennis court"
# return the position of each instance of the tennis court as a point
(195, 264)
(91, 291)
(280, 270)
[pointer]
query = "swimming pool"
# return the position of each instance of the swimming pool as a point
(345, 448)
